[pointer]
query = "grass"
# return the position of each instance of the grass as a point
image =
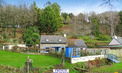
(43, 61)
(71, 67)
(116, 67)
(18, 59)
(95, 39)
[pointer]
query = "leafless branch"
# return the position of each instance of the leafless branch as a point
(107, 2)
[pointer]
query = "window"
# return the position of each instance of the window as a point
(78, 51)
(56, 49)
(74, 51)
(52, 50)
(47, 49)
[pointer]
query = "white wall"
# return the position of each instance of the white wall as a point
(10, 46)
(85, 58)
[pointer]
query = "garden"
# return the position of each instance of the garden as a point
(46, 64)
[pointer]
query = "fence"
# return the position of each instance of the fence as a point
(117, 52)
(1, 47)
(95, 51)
(85, 58)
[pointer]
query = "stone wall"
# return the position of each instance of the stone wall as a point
(117, 52)
(51, 45)
(96, 51)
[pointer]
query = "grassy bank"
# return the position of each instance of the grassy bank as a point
(116, 67)
(18, 60)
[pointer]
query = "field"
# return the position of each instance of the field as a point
(18, 60)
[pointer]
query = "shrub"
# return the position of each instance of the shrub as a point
(96, 63)
(102, 38)
(74, 37)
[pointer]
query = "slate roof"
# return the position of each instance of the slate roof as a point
(119, 39)
(76, 43)
(53, 39)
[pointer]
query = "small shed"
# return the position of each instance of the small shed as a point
(74, 47)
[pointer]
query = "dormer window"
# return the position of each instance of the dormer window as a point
(60, 40)
(47, 40)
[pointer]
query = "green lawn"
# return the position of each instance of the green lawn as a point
(18, 59)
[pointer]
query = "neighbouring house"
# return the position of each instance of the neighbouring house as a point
(74, 48)
(52, 43)
(10, 46)
(115, 46)
(115, 41)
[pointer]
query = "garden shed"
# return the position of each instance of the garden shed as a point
(74, 48)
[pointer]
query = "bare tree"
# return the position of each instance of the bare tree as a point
(107, 2)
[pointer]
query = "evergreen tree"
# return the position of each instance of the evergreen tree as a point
(48, 21)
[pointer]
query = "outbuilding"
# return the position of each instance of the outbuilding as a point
(74, 48)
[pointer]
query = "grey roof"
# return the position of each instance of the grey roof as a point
(53, 39)
(119, 39)
(76, 43)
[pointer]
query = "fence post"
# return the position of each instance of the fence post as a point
(28, 65)
(71, 57)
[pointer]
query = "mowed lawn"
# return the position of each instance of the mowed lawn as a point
(18, 59)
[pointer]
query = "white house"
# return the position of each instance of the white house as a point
(10, 46)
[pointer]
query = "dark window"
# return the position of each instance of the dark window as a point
(56, 49)
(74, 51)
(78, 51)
(47, 49)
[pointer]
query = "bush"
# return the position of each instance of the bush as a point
(74, 37)
(102, 38)
(96, 63)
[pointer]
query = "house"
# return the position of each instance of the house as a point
(115, 41)
(74, 47)
(10, 46)
(52, 43)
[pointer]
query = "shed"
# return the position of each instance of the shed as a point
(74, 47)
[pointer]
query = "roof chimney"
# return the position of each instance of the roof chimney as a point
(65, 35)
(114, 37)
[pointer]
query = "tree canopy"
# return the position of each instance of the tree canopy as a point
(50, 20)
(31, 36)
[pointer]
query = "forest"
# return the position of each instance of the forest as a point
(22, 23)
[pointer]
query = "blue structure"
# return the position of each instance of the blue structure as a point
(74, 48)
(74, 52)
(112, 57)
